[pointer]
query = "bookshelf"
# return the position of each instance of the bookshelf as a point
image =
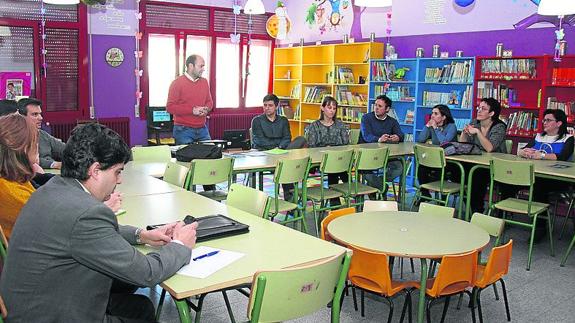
(316, 71)
(560, 87)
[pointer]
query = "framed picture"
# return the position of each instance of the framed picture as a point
(15, 84)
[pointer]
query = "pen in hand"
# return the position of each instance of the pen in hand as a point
(209, 254)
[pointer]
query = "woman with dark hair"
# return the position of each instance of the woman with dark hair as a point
(488, 133)
(18, 164)
(439, 129)
(329, 131)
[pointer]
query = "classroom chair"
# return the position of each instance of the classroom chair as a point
(332, 215)
(291, 172)
(497, 266)
(211, 172)
(354, 136)
(366, 160)
(386, 206)
(456, 274)
(519, 173)
(176, 174)
(152, 154)
(248, 199)
(285, 294)
(433, 157)
(333, 161)
(369, 271)
(437, 211)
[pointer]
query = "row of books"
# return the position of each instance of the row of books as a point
(345, 97)
(384, 71)
(567, 107)
(505, 95)
(295, 91)
(284, 109)
(563, 76)
(350, 114)
(395, 93)
(518, 68)
(456, 72)
(315, 94)
(409, 116)
(460, 123)
(344, 75)
(521, 123)
(452, 99)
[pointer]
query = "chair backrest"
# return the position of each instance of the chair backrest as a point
(332, 215)
(493, 226)
(289, 171)
(370, 206)
(336, 161)
(369, 269)
(371, 159)
(157, 154)
(512, 172)
(509, 145)
(497, 264)
(176, 174)
(286, 294)
(354, 136)
(433, 210)
(211, 171)
(456, 273)
(429, 156)
(248, 199)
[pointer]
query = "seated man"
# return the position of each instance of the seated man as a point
(67, 248)
(377, 126)
(50, 148)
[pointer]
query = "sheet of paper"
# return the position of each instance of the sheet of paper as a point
(202, 268)
(255, 153)
(276, 151)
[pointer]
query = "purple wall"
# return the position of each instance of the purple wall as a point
(115, 87)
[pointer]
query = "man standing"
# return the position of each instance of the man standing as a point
(190, 101)
(269, 130)
(67, 248)
(49, 148)
(377, 126)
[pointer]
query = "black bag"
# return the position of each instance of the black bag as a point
(218, 226)
(198, 151)
(460, 148)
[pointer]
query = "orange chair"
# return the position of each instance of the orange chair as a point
(369, 271)
(497, 266)
(455, 275)
(332, 215)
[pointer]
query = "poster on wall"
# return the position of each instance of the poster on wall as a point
(15, 84)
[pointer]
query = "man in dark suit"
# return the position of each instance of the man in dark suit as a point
(67, 248)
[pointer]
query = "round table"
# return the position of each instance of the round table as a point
(409, 234)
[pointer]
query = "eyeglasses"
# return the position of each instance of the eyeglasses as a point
(482, 108)
(548, 120)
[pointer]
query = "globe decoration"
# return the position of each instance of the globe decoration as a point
(464, 3)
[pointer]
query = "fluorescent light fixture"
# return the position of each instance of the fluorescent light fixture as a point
(556, 7)
(254, 7)
(61, 2)
(373, 3)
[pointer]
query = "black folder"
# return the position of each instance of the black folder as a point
(214, 227)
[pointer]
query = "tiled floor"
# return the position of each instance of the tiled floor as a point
(544, 294)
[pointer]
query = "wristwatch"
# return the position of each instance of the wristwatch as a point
(138, 236)
(543, 153)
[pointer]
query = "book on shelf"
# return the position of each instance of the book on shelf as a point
(345, 96)
(563, 76)
(383, 71)
(408, 137)
(516, 68)
(392, 113)
(453, 99)
(409, 116)
(460, 123)
(295, 91)
(567, 107)
(501, 92)
(350, 114)
(315, 94)
(345, 75)
(456, 72)
(284, 109)
(521, 123)
(395, 93)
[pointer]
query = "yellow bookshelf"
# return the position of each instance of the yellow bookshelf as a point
(327, 70)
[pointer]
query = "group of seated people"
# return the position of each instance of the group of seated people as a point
(66, 227)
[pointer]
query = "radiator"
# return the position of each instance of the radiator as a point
(120, 125)
(220, 122)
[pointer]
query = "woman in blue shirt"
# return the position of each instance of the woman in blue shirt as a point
(439, 129)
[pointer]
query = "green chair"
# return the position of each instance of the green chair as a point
(286, 294)
(248, 199)
(519, 173)
(176, 174)
(492, 225)
(354, 136)
(437, 211)
(294, 172)
(333, 162)
(568, 251)
(152, 154)
(433, 157)
(381, 206)
(509, 145)
(211, 172)
(367, 160)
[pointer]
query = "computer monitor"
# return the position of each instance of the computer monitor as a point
(159, 117)
(236, 138)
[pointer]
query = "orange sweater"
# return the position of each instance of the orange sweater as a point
(183, 96)
(13, 196)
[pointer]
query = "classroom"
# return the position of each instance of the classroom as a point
(292, 160)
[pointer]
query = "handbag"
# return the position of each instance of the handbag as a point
(460, 148)
(198, 151)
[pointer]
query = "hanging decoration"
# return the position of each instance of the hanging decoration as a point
(279, 25)
(43, 50)
(235, 37)
(390, 49)
(464, 3)
(138, 72)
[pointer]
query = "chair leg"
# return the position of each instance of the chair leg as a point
(428, 310)
(362, 303)
(495, 292)
(160, 305)
(406, 306)
(566, 218)
(505, 299)
(303, 223)
(459, 301)
(550, 227)
(390, 303)
(471, 298)
(400, 268)
(568, 251)
(445, 307)
(478, 300)
(354, 298)
(198, 308)
(228, 306)
(529, 254)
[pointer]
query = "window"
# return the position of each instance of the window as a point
(161, 67)
(259, 70)
(227, 74)
(199, 45)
